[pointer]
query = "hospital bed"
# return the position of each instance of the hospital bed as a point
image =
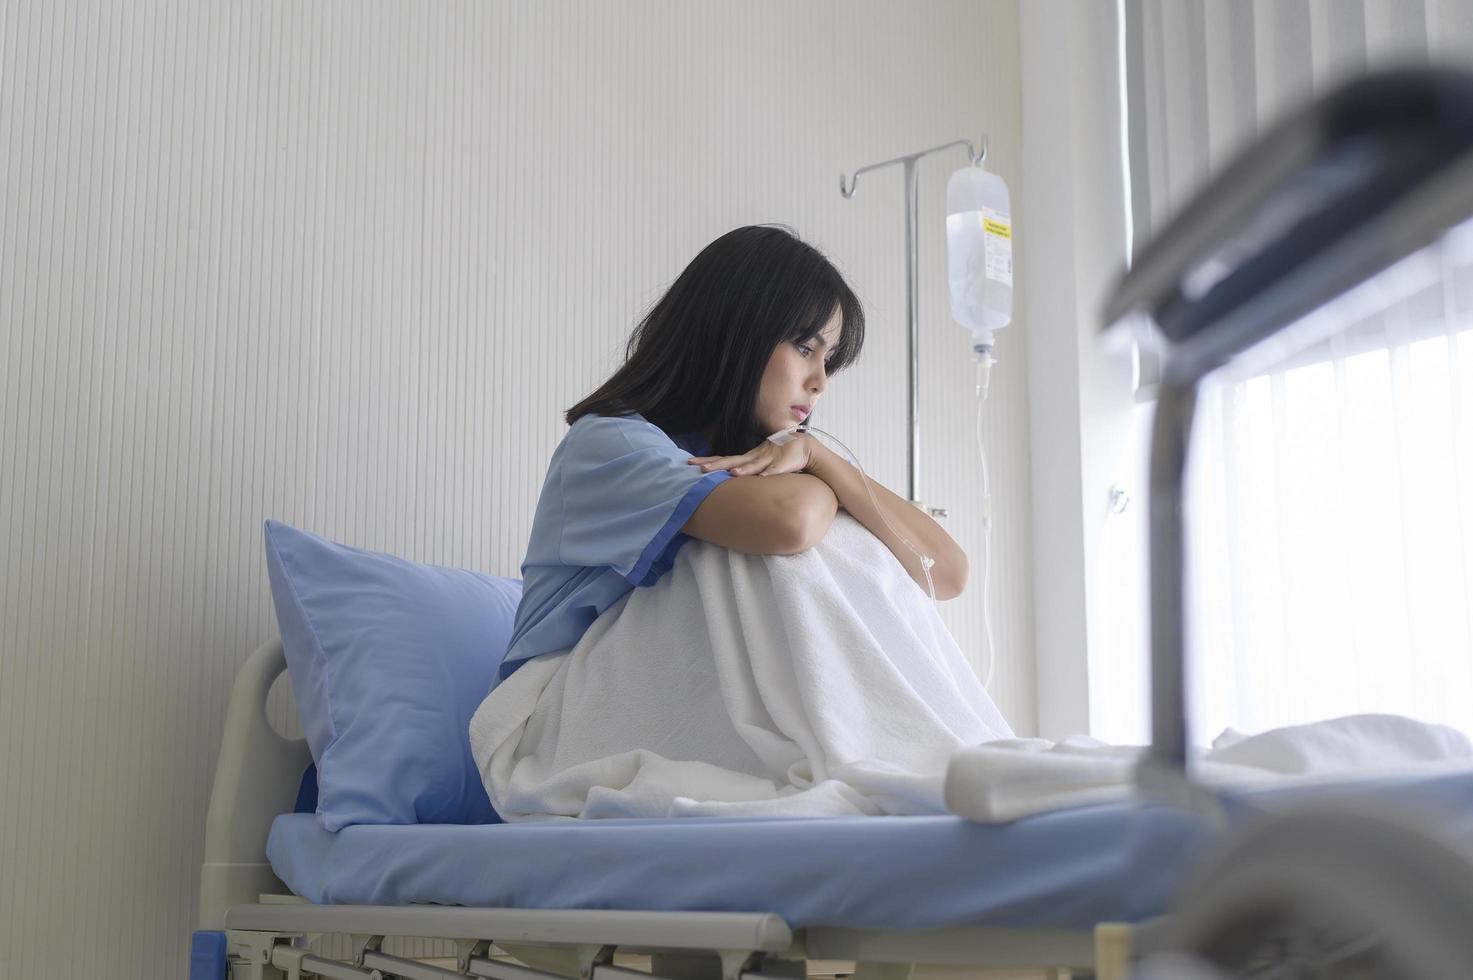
(1179, 882)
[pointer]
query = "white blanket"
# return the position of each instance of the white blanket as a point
(822, 683)
(817, 684)
(1013, 778)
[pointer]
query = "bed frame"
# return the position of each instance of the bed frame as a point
(248, 917)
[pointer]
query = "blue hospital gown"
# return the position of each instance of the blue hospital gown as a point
(617, 493)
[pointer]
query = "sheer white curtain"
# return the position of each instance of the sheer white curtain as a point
(1331, 500)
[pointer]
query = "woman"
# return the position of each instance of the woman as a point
(665, 451)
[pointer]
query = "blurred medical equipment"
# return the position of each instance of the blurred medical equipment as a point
(979, 245)
(1344, 208)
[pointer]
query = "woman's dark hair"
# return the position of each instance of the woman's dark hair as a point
(695, 361)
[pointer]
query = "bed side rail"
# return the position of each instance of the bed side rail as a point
(1344, 207)
(256, 778)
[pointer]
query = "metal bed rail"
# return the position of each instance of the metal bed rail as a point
(1341, 204)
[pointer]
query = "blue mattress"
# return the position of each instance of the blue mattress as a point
(1067, 869)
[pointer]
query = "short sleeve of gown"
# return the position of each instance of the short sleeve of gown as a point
(627, 491)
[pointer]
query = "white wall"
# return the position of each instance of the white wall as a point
(1080, 394)
(344, 265)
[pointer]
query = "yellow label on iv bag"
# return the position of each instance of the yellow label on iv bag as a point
(999, 228)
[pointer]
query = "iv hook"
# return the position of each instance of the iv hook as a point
(848, 189)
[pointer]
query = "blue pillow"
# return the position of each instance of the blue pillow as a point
(388, 660)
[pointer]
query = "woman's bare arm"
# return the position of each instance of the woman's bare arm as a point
(771, 515)
(949, 574)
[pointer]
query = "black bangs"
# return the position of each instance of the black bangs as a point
(851, 329)
(851, 336)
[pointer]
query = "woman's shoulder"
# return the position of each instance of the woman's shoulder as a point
(632, 431)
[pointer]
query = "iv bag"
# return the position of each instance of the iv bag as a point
(979, 251)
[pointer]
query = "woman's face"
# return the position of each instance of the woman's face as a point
(795, 377)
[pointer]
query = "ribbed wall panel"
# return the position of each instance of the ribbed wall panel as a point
(344, 265)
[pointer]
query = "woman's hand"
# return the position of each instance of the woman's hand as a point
(767, 459)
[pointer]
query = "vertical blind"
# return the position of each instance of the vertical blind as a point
(1330, 499)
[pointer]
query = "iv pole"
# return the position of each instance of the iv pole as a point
(912, 346)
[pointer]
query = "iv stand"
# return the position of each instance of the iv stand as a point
(912, 346)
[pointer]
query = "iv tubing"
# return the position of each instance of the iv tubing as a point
(926, 560)
(984, 370)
